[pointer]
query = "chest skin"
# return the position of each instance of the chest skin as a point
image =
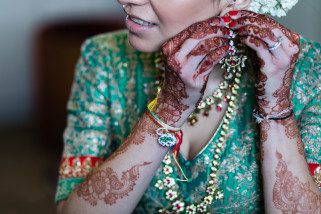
(197, 137)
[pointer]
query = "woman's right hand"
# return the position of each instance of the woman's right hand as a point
(190, 57)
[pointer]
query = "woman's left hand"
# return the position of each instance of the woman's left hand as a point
(261, 33)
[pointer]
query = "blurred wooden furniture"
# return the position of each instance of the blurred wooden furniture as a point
(57, 50)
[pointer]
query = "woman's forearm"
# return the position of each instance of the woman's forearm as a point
(119, 183)
(288, 185)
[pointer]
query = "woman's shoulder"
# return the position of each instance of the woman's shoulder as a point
(109, 43)
(113, 51)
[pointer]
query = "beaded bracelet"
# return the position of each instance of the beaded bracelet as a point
(259, 117)
(166, 134)
(161, 123)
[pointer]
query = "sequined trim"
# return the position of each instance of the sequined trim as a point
(73, 167)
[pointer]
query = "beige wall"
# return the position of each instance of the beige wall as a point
(20, 19)
(305, 18)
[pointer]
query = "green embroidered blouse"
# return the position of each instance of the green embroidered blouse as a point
(114, 82)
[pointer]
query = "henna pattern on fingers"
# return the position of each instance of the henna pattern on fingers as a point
(207, 63)
(206, 46)
(290, 195)
(137, 136)
(258, 27)
(196, 31)
(105, 185)
(264, 21)
(257, 32)
(174, 99)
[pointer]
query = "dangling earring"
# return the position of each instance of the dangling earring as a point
(235, 61)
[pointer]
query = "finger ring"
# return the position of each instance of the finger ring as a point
(276, 45)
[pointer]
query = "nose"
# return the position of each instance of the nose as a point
(134, 2)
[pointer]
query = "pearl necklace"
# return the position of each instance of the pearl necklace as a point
(212, 190)
(233, 63)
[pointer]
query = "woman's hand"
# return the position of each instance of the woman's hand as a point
(260, 32)
(190, 56)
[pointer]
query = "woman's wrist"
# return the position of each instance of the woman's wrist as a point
(170, 117)
(269, 109)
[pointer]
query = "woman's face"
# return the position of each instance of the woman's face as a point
(169, 17)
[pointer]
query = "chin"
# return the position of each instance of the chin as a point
(143, 45)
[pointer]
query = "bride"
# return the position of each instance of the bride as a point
(199, 106)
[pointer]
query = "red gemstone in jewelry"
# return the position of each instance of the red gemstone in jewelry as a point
(218, 108)
(232, 23)
(226, 99)
(226, 19)
(233, 13)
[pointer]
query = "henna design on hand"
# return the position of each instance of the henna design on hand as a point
(105, 185)
(182, 87)
(196, 31)
(261, 26)
(137, 136)
(263, 103)
(169, 104)
(207, 46)
(283, 94)
(264, 21)
(258, 31)
(290, 195)
(207, 63)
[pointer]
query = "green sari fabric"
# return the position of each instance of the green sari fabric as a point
(114, 82)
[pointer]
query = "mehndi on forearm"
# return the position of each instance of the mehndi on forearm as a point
(288, 185)
(118, 184)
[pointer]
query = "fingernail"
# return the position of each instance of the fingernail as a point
(233, 13)
(226, 19)
(232, 23)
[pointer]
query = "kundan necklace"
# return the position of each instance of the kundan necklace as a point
(233, 63)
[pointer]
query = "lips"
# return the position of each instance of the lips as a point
(139, 20)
